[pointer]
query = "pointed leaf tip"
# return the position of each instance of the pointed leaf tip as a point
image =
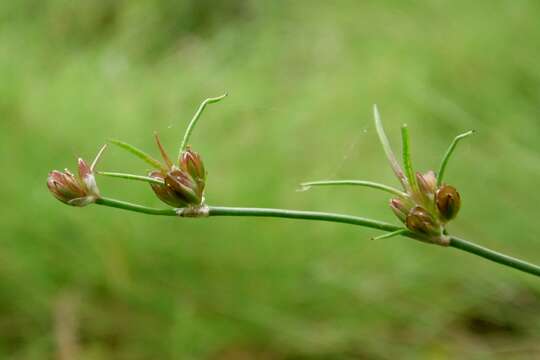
(388, 149)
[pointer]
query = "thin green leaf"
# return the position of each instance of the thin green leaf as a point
(138, 153)
(194, 120)
(449, 153)
(407, 162)
(387, 149)
(371, 184)
(390, 234)
(132, 177)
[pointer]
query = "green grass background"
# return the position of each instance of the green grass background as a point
(99, 283)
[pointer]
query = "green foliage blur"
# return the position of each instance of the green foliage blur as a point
(99, 283)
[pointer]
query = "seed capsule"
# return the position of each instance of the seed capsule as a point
(164, 193)
(419, 220)
(448, 202)
(184, 187)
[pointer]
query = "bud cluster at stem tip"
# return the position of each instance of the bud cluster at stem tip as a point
(183, 185)
(427, 209)
(427, 204)
(72, 190)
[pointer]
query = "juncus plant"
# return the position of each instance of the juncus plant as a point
(424, 204)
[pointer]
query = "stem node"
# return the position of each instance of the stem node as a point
(194, 211)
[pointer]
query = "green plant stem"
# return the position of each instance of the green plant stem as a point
(497, 257)
(301, 215)
(194, 120)
(134, 207)
(331, 217)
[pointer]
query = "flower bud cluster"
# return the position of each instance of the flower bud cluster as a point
(182, 185)
(428, 207)
(74, 190)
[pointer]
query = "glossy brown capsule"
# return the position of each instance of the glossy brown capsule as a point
(448, 202)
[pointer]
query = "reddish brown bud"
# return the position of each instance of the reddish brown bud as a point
(448, 202)
(179, 188)
(164, 193)
(64, 186)
(75, 191)
(71, 190)
(400, 209)
(191, 163)
(184, 186)
(419, 220)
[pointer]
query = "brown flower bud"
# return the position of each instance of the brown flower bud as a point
(164, 193)
(419, 220)
(448, 202)
(71, 190)
(191, 163)
(400, 209)
(184, 187)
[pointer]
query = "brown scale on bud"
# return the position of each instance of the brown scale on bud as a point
(191, 163)
(427, 183)
(400, 209)
(184, 186)
(163, 192)
(421, 221)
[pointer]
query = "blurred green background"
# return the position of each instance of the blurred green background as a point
(99, 283)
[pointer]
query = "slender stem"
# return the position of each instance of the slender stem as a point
(134, 207)
(303, 215)
(388, 149)
(131, 177)
(494, 256)
(448, 153)
(196, 117)
(407, 162)
(371, 184)
(330, 217)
